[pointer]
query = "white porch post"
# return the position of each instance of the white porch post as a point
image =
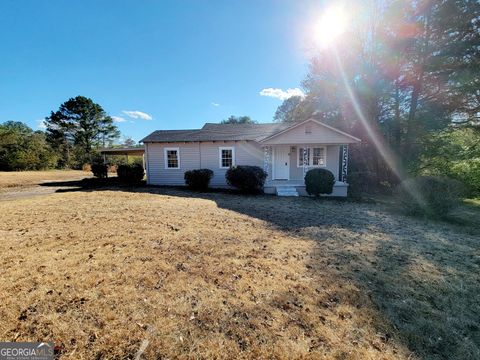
(266, 160)
(304, 160)
(344, 163)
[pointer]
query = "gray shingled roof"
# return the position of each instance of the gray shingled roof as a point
(217, 132)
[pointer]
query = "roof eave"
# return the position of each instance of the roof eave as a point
(355, 139)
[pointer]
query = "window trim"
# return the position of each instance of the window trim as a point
(310, 159)
(220, 148)
(165, 157)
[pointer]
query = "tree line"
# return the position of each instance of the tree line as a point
(72, 136)
(405, 79)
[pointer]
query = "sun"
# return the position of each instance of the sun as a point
(331, 25)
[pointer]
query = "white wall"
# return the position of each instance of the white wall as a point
(196, 155)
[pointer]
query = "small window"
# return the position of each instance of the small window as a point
(172, 158)
(314, 157)
(318, 158)
(226, 157)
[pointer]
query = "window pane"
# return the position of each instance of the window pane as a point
(227, 158)
(318, 157)
(172, 158)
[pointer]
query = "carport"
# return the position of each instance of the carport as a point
(125, 151)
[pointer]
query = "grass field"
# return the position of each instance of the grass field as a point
(112, 273)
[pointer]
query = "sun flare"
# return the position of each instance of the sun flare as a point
(331, 25)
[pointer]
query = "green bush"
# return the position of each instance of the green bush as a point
(131, 174)
(248, 179)
(99, 170)
(430, 196)
(361, 182)
(319, 181)
(198, 179)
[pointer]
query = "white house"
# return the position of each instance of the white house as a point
(285, 151)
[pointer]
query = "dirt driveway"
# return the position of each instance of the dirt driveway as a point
(20, 185)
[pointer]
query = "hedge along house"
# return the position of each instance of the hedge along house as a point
(285, 151)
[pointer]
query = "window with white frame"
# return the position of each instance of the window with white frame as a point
(312, 156)
(226, 157)
(172, 158)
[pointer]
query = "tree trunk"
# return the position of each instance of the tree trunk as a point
(417, 87)
(397, 126)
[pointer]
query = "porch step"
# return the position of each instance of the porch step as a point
(286, 191)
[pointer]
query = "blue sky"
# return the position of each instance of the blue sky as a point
(181, 63)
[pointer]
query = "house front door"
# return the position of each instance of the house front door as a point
(282, 162)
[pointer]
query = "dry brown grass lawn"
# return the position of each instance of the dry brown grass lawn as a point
(181, 275)
(14, 179)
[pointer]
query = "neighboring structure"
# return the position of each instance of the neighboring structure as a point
(285, 151)
(124, 151)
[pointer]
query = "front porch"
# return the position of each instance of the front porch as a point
(287, 164)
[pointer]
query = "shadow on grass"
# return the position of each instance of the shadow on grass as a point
(422, 277)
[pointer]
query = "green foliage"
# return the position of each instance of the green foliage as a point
(395, 88)
(361, 182)
(429, 196)
(238, 120)
(100, 170)
(293, 109)
(319, 181)
(77, 127)
(198, 179)
(21, 148)
(455, 153)
(131, 174)
(248, 179)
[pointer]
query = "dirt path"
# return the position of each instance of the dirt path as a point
(23, 185)
(29, 191)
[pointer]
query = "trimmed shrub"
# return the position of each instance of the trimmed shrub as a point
(131, 174)
(198, 179)
(430, 196)
(248, 179)
(319, 181)
(99, 170)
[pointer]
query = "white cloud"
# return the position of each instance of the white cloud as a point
(41, 124)
(215, 104)
(282, 94)
(118, 119)
(137, 115)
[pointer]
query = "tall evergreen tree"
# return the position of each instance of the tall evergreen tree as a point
(79, 126)
(403, 71)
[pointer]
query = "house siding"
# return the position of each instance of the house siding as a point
(317, 134)
(195, 155)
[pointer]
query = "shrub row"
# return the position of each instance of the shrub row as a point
(248, 179)
(430, 196)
